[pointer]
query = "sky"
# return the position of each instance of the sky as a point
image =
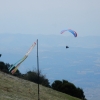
(49, 17)
(22, 22)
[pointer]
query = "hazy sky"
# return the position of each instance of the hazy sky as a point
(49, 16)
(45, 19)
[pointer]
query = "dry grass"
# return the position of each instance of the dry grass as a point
(13, 88)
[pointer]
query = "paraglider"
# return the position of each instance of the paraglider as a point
(67, 47)
(70, 30)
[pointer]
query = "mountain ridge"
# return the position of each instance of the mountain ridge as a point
(14, 88)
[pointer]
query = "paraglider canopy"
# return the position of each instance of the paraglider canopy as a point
(70, 30)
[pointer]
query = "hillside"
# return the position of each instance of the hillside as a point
(13, 88)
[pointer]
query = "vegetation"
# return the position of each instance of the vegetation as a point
(61, 86)
(33, 77)
(14, 88)
(68, 88)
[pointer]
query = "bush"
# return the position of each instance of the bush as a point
(33, 76)
(68, 88)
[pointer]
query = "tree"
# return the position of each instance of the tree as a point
(3, 67)
(33, 76)
(57, 85)
(68, 88)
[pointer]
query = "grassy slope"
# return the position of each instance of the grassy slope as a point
(13, 88)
